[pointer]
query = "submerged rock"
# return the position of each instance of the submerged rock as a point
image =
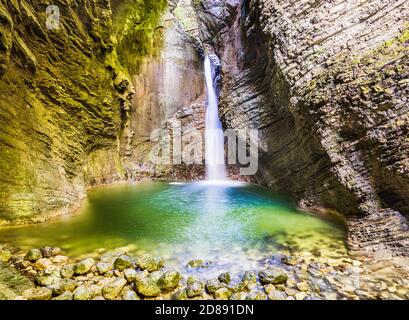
(273, 276)
(169, 281)
(33, 255)
(149, 263)
(83, 266)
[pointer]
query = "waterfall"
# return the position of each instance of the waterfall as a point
(215, 161)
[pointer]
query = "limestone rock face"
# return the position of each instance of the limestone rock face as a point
(324, 83)
(79, 99)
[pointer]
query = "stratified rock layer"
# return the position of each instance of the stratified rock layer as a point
(326, 85)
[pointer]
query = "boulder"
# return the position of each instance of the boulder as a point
(38, 294)
(222, 294)
(49, 252)
(194, 289)
(130, 275)
(213, 285)
(113, 288)
(169, 281)
(82, 293)
(123, 262)
(67, 271)
(147, 286)
(149, 263)
(225, 278)
(273, 276)
(83, 266)
(33, 255)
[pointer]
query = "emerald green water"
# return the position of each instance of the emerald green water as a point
(236, 224)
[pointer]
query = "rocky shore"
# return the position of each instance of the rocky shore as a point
(47, 274)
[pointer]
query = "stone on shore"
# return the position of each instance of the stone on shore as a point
(122, 262)
(38, 294)
(272, 276)
(83, 266)
(149, 263)
(169, 281)
(33, 255)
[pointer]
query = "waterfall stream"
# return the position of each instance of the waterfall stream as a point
(215, 161)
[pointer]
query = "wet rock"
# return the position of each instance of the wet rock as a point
(42, 264)
(169, 281)
(239, 296)
(303, 286)
(269, 288)
(65, 296)
(67, 271)
(180, 294)
(290, 261)
(33, 255)
(83, 266)
(103, 267)
(225, 278)
(256, 295)
(46, 280)
(49, 252)
(38, 294)
(194, 288)
(300, 296)
(213, 285)
(291, 292)
(59, 259)
(63, 285)
(196, 264)
(149, 263)
(123, 262)
(222, 294)
(82, 293)
(5, 255)
(113, 288)
(277, 295)
(129, 294)
(130, 275)
(249, 277)
(273, 276)
(147, 286)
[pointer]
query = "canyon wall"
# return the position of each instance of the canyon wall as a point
(78, 93)
(325, 83)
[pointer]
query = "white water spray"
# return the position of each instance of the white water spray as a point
(215, 161)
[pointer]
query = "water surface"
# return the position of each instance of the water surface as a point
(233, 226)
